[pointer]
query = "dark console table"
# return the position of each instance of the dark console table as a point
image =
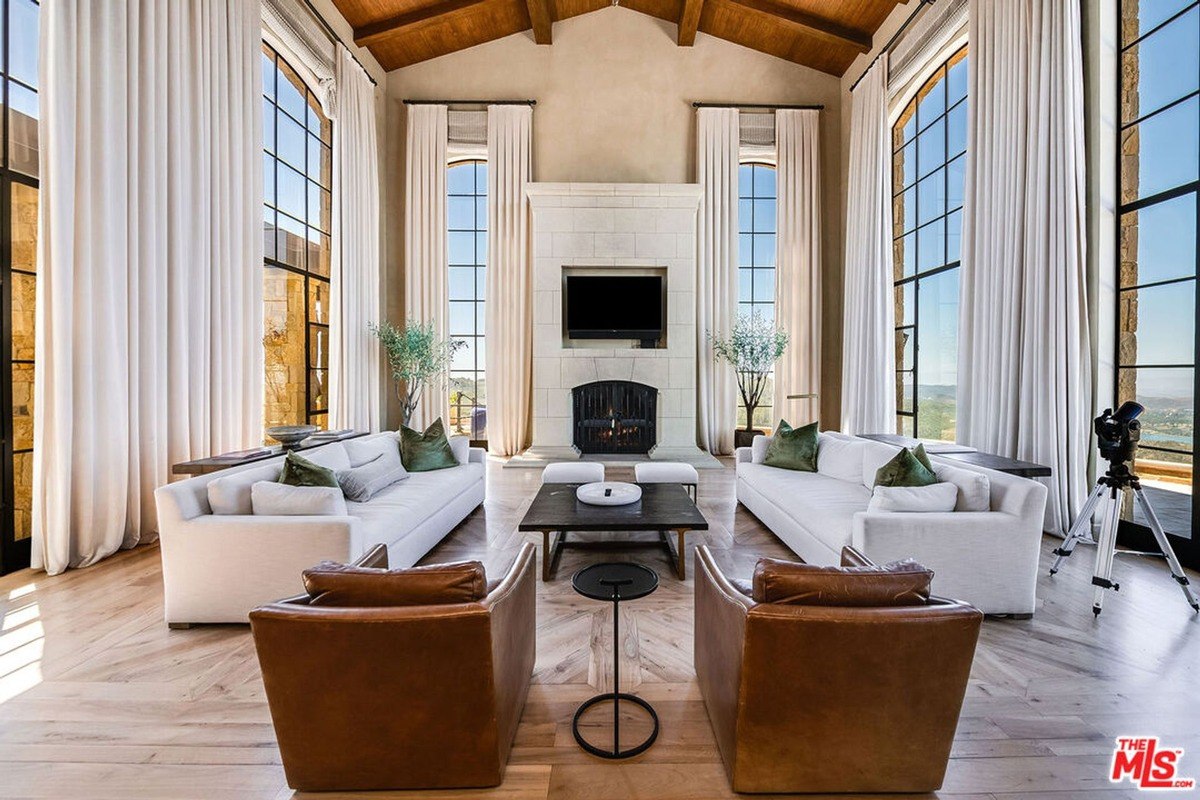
(955, 452)
(203, 466)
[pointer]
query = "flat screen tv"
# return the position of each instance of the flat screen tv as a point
(614, 307)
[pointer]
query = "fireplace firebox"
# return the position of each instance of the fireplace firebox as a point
(614, 417)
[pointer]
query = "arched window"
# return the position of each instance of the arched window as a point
(297, 167)
(756, 261)
(930, 144)
(467, 216)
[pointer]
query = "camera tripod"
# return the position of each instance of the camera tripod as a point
(1114, 483)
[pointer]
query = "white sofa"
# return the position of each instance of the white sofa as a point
(217, 567)
(986, 558)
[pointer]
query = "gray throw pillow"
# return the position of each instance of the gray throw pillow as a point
(363, 482)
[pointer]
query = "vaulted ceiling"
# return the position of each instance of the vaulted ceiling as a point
(822, 34)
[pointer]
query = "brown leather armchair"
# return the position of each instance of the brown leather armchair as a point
(830, 698)
(403, 696)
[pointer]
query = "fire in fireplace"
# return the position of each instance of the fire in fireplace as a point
(614, 417)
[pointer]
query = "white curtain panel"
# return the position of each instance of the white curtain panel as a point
(868, 337)
(716, 281)
(798, 262)
(149, 312)
(426, 294)
(354, 397)
(1025, 383)
(509, 289)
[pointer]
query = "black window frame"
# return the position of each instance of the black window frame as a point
(478, 301)
(754, 232)
(314, 413)
(14, 553)
(900, 281)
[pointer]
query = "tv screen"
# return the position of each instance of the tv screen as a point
(614, 307)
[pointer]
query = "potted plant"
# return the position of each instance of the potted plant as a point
(417, 356)
(752, 348)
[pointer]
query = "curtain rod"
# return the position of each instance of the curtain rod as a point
(335, 39)
(771, 106)
(887, 48)
(470, 102)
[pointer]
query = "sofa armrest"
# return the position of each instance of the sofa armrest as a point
(477, 455)
(987, 557)
(741, 455)
(216, 568)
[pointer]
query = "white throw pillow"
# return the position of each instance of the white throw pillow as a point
(875, 455)
(331, 456)
(840, 457)
(230, 494)
(974, 488)
(461, 447)
(758, 448)
(936, 497)
(363, 482)
(273, 499)
(368, 448)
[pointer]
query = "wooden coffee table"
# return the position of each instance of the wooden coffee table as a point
(664, 507)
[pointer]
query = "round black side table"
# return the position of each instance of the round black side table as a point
(615, 582)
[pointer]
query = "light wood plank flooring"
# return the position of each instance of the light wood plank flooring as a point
(99, 699)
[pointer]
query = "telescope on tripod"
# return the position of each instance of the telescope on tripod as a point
(1117, 434)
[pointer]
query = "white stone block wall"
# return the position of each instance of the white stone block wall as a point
(599, 225)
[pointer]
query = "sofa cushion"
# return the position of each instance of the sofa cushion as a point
(900, 583)
(793, 448)
(932, 498)
(427, 450)
(823, 506)
(395, 511)
(875, 455)
(974, 488)
(840, 457)
(758, 448)
(230, 494)
(299, 471)
(268, 498)
(368, 448)
(905, 469)
(331, 456)
(333, 584)
(363, 482)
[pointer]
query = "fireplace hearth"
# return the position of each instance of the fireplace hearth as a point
(614, 417)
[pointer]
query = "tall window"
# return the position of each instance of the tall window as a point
(1157, 228)
(467, 215)
(930, 143)
(18, 269)
(756, 263)
(297, 166)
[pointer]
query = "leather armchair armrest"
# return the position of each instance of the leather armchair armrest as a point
(513, 607)
(853, 557)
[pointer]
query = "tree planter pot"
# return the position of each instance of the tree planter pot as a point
(743, 437)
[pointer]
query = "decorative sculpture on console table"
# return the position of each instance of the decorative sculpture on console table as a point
(417, 356)
(752, 348)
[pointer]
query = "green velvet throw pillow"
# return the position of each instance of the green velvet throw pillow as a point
(906, 469)
(424, 452)
(299, 471)
(793, 448)
(922, 456)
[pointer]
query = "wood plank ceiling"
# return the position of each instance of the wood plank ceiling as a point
(823, 34)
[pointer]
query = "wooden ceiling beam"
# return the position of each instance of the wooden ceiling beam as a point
(814, 26)
(689, 21)
(539, 17)
(410, 22)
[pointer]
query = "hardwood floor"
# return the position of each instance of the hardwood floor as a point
(99, 699)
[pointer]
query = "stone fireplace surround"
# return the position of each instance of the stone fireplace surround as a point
(626, 227)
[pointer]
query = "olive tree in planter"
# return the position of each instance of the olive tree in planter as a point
(418, 357)
(752, 348)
